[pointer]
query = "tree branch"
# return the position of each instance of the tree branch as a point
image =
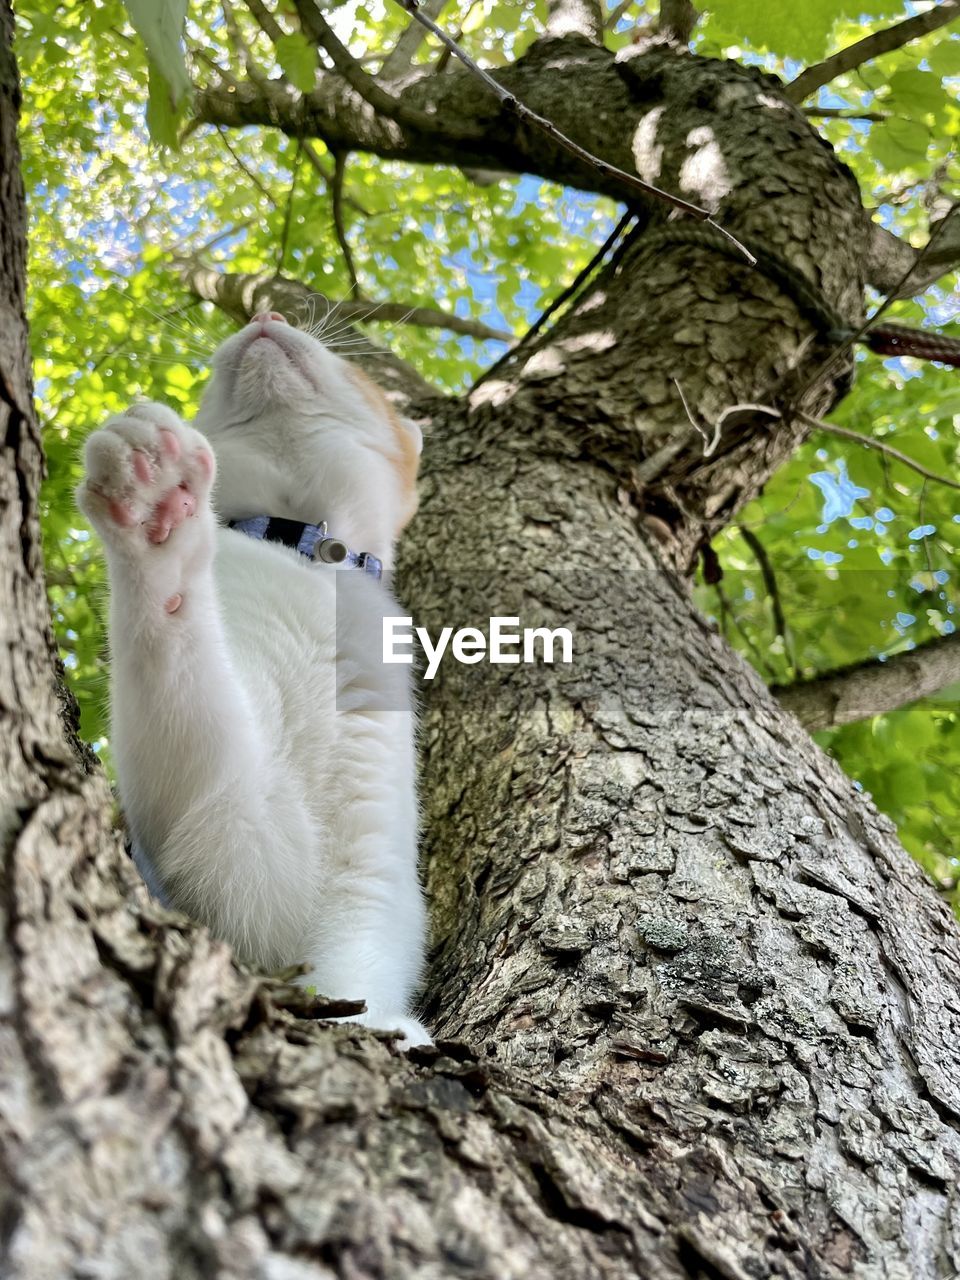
(616, 13)
(845, 113)
(881, 446)
(339, 227)
(327, 173)
(527, 115)
(873, 687)
(288, 211)
(870, 47)
(487, 137)
(400, 58)
(770, 585)
(888, 259)
(352, 70)
(268, 23)
(677, 20)
(574, 18)
(240, 295)
(248, 173)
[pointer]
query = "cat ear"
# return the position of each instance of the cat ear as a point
(413, 431)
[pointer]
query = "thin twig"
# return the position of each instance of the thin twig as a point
(248, 172)
(223, 74)
(710, 442)
(326, 172)
(268, 23)
(400, 58)
(352, 70)
(759, 661)
(526, 114)
(288, 212)
(340, 230)
(254, 71)
(870, 47)
(855, 335)
(772, 589)
(233, 230)
(616, 13)
(361, 309)
(845, 113)
(563, 297)
(880, 445)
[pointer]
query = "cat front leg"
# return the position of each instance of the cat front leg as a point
(207, 812)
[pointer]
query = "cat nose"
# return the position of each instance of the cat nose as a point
(268, 315)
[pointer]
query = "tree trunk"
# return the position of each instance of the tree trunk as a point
(702, 1010)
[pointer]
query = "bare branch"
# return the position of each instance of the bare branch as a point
(569, 292)
(771, 587)
(574, 18)
(873, 687)
(870, 47)
(888, 261)
(845, 113)
(360, 309)
(529, 116)
(247, 172)
(339, 227)
(327, 173)
(288, 211)
(250, 64)
(222, 73)
(400, 58)
(677, 20)
(352, 70)
(268, 23)
(880, 445)
(901, 287)
(616, 13)
(241, 295)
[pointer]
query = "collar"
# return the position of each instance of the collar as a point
(311, 540)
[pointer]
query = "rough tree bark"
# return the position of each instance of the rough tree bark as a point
(700, 1010)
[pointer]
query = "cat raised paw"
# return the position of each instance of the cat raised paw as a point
(146, 475)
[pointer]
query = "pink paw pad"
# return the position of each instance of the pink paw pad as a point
(122, 514)
(172, 509)
(142, 466)
(169, 444)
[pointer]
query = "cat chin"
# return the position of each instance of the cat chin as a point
(280, 368)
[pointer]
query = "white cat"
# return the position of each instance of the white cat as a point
(264, 753)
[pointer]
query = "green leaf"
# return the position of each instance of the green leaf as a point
(898, 143)
(159, 24)
(944, 58)
(797, 30)
(163, 114)
(916, 93)
(298, 58)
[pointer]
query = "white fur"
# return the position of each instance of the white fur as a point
(264, 753)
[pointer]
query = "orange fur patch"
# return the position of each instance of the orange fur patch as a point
(406, 456)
